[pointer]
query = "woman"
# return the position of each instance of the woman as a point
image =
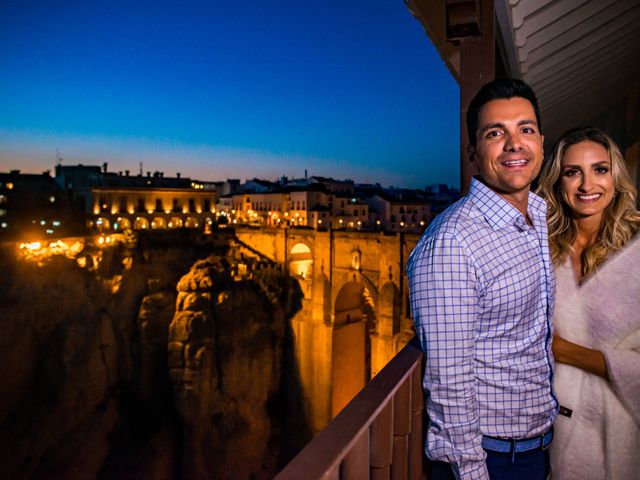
(592, 222)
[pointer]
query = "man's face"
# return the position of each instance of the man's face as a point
(508, 149)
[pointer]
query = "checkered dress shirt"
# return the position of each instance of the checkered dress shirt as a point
(482, 290)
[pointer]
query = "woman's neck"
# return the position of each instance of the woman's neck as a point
(587, 234)
(587, 231)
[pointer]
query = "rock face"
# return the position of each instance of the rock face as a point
(59, 366)
(103, 377)
(228, 351)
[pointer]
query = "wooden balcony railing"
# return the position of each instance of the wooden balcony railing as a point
(378, 435)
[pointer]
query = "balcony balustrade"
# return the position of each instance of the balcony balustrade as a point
(378, 435)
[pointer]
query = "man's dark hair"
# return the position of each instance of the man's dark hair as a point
(502, 88)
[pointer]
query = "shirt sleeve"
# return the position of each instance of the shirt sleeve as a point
(444, 304)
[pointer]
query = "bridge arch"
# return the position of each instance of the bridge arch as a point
(389, 310)
(301, 261)
(354, 315)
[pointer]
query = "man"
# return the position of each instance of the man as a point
(482, 297)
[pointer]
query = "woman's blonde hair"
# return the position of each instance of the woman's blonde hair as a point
(620, 220)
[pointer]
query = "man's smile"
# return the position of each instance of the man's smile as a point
(515, 163)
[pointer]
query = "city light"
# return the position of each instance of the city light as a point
(31, 246)
(104, 239)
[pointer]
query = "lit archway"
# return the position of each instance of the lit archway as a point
(191, 222)
(102, 224)
(122, 223)
(141, 223)
(158, 223)
(175, 222)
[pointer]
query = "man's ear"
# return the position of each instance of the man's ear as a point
(471, 153)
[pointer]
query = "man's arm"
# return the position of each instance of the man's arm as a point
(444, 303)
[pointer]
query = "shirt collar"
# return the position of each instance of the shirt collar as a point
(500, 213)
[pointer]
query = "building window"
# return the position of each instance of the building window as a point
(176, 205)
(192, 205)
(123, 204)
(158, 204)
(140, 205)
(207, 205)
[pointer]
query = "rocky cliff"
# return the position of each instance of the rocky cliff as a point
(160, 360)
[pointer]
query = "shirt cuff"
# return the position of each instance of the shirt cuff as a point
(472, 471)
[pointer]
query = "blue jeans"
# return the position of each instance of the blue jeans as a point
(531, 465)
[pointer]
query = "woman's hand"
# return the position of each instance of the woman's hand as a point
(582, 357)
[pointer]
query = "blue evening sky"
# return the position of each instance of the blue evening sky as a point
(227, 89)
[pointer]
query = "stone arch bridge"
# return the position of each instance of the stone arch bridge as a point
(355, 315)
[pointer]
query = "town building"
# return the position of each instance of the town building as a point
(409, 211)
(33, 207)
(120, 201)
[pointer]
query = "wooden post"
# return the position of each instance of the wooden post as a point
(477, 65)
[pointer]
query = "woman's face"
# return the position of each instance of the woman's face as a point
(585, 179)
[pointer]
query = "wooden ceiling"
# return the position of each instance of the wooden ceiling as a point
(582, 57)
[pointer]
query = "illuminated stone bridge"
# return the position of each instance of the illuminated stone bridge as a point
(355, 314)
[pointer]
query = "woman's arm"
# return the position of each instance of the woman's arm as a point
(578, 356)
